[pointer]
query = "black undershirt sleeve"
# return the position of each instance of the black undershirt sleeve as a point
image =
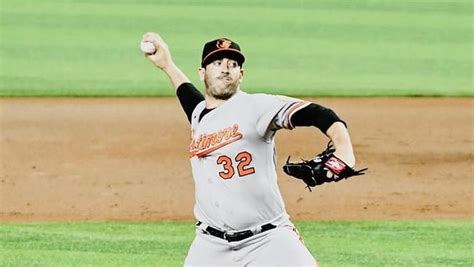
(189, 97)
(315, 115)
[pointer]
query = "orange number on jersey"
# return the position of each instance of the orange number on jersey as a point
(244, 159)
(228, 169)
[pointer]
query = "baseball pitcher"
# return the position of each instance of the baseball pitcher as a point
(241, 217)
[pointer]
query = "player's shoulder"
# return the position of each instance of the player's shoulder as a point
(200, 106)
(198, 109)
(263, 97)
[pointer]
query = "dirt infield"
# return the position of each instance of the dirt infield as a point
(123, 158)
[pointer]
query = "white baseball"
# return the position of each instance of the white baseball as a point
(147, 47)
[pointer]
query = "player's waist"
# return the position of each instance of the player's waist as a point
(233, 236)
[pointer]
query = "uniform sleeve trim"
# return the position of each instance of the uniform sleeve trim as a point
(297, 106)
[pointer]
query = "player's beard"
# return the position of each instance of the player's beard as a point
(220, 89)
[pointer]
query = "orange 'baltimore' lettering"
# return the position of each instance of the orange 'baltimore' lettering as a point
(207, 143)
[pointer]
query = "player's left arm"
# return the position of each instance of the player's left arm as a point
(341, 139)
(326, 120)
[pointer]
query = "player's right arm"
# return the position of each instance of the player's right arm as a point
(188, 95)
(163, 60)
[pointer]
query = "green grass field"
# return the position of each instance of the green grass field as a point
(420, 243)
(66, 47)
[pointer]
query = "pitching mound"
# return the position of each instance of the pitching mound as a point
(122, 158)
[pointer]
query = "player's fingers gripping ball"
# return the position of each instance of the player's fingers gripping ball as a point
(156, 50)
(148, 47)
(315, 171)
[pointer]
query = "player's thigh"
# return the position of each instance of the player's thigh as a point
(284, 249)
(208, 250)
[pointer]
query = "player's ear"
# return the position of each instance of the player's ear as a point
(201, 73)
(241, 74)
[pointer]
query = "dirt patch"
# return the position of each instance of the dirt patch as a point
(126, 158)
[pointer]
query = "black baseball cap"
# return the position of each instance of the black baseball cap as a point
(221, 48)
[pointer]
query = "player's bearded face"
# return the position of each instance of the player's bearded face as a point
(222, 78)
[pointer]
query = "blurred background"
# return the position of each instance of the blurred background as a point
(87, 47)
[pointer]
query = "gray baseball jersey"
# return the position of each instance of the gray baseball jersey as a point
(233, 160)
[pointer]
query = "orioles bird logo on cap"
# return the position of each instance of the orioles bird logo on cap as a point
(223, 43)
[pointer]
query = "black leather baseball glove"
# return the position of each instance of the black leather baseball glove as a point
(314, 171)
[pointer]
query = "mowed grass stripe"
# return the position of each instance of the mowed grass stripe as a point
(298, 19)
(304, 48)
(334, 243)
(461, 7)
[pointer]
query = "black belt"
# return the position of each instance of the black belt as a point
(235, 236)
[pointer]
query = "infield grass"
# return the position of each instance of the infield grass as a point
(394, 243)
(305, 48)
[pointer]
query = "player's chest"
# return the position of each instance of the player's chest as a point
(214, 135)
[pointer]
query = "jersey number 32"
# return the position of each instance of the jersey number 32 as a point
(244, 159)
